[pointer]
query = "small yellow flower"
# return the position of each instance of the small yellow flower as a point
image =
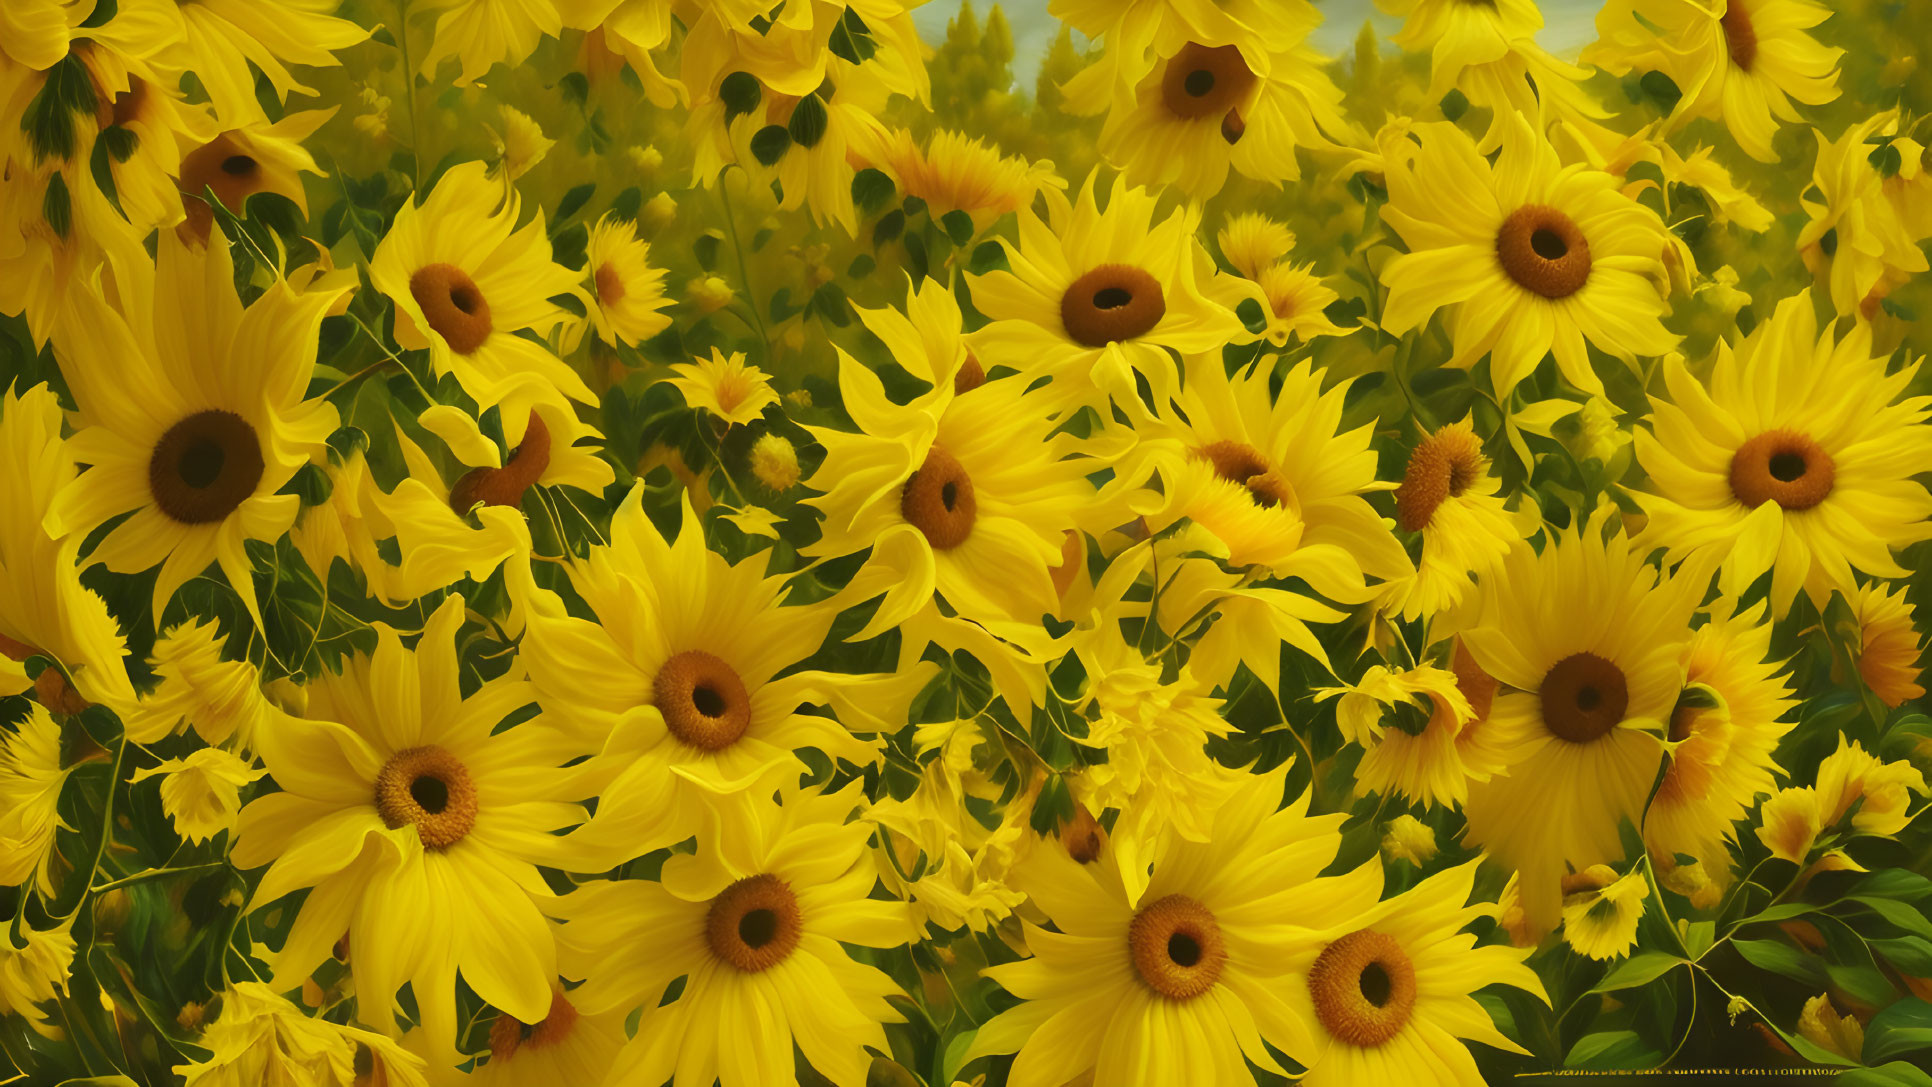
(1408, 839)
(1693, 882)
(1788, 822)
(1889, 646)
(775, 463)
(708, 294)
(645, 159)
(31, 778)
(37, 972)
(1251, 242)
(201, 793)
(1821, 1025)
(724, 386)
(521, 144)
(219, 699)
(659, 212)
(1601, 911)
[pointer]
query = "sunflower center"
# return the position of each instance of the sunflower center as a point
(610, 285)
(205, 467)
(970, 375)
(1544, 251)
(1443, 466)
(1205, 82)
(1584, 696)
(1177, 947)
(754, 923)
(127, 105)
(1243, 464)
(221, 164)
(1782, 466)
(509, 1034)
(427, 786)
(452, 305)
(938, 500)
(505, 486)
(1364, 988)
(1740, 36)
(1111, 303)
(703, 701)
(1478, 686)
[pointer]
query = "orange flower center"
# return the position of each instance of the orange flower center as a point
(452, 305)
(1740, 36)
(428, 787)
(1177, 947)
(1584, 696)
(509, 1034)
(1206, 82)
(1443, 466)
(938, 500)
(1243, 464)
(222, 164)
(1544, 251)
(1113, 302)
(703, 701)
(1364, 988)
(505, 486)
(754, 923)
(205, 467)
(1782, 466)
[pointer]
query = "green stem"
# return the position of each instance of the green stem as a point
(744, 269)
(409, 89)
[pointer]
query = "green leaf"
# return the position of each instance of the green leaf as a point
(1904, 1027)
(852, 40)
(808, 122)
(1640, 969)
(1454, 105)
(576, 198)
(740, 92)
(56, 207)
(885, 1073)
(1895, 1074)
(1898, 883)
(871, 189)
(1659, 88)
(1782, 959)
(48, 120)
(1909, 954)
(889, 226)
(1783, 911)
(770, 143)
(959, 226)
(1613, 1049)
(1906, 916)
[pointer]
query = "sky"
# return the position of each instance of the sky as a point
(1568, 26)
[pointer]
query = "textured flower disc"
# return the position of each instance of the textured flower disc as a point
(505, 486)
(1782, 466)
(1364, 988)
(938, 500)
(428, 787)
(1740, 35)
(1584, 696)
(204, 467)
(1544, 251)
(1238, 462)
(1177, 947)
(1112, 303)
(1443, 466)
(704, 703)
(1203, 81)
(509, 1034)
(754, 923)
(452, 305)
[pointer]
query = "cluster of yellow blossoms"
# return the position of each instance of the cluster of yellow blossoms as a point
(664, 542)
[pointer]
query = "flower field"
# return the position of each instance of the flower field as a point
(660, 543)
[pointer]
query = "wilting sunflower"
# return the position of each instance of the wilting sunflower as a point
(1741, 61)
(753, 923)
(954, 173)
(1095, 297)
(1601, 910)
(1586, 641)
(1388, 992)
(1889, 647)
(465, 281)
(221, 700)
(1187, 982)
(1797, 456)
(1450, 498)
(1722, 755)
(44, 610)
(1856, 239)
(1526, 257)
(193, 415)
(629, 291)
(411, 815)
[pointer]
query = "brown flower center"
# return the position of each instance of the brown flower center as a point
(1205, 82)
(1111, 303)
(610, 285)
(1238, 462)
(970, 375)
(1782, 466)
(1584, 696)
(1364, 988)
(452, 305)
(509, 1034)
(428, 787)
(754, 923)
(505, 486)
(1443, 466)
(1740, 36)
(205, 467)
(222, 164)
(1083, 835)
(1478, 686)
(1177, 947)
(1544, 251)
(703, 701)
(938, 500)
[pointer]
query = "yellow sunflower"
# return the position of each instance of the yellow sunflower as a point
(31, 778)
(411, 815)
(1722, 755)
(1791, 821)
(1094, 298)
(238, 162)
(1188, 981)
(193, 416)
(1741, 61)
(1389, 990)
(466, 280)
(44, 610)
(36, 972)
(725, 387)
(1450, 498)
(227, 41)
(1889, 646)
(1251, 241)
(566, 1046)
(483, 33)
(1457, 745)
(1525, 257)
(629, 292)
(221, 700)
(1857, 239)
(1796, 456)
(1601, 911)
(1586, 641)
(36, 33)
(753, 923)
(955, 173)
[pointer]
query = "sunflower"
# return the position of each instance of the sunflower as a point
(260, 1038)
(483, 33)
(193, 417)
(1458, 35)
(629, 292)
(226, 41)
(201, 794)
(467, 529)
(251, 158)
(955, 173)
(1791, 821)
(1450, 498)
(465, 281)
(564, 1047)
(1456, 746)
(1856, 239)
(1094, 298)
(36, 972)
(409, 812)
(1527, 257)
(1889, 646)
(221, 700)
(1796, 457)
(1741, 61)
(31, 778)
(1251, 241)
(677, 682)
(753, 923)
(1188, 981)
(1722, 757)
(725, 387)
(44, 610)
(1601, 910)
(1587, 642)
(1140, 33)
(37, 33)
(1389, 990)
